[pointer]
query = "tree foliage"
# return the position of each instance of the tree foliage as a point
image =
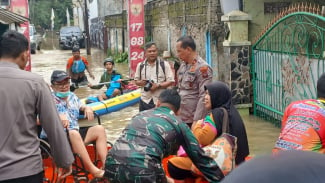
(40, 12)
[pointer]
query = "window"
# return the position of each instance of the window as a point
(4, 2)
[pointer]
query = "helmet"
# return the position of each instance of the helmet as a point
(109, 59)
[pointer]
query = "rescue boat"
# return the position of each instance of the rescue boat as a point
(114, 104)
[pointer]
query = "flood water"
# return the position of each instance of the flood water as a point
(261, 134)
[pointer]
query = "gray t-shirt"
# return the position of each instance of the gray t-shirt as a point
(24, 96)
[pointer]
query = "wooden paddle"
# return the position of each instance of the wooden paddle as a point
(74, 86)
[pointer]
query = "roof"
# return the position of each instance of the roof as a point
(8, 17)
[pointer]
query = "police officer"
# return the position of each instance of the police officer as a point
(193, 74)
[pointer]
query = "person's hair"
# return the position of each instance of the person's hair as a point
(321, 86)
(187, 41)
(75, 49)
(149, 44)
(171, 97)
(12, 44)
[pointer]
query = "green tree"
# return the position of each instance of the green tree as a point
(40, 12)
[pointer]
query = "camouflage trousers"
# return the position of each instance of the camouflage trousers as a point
(129, 174)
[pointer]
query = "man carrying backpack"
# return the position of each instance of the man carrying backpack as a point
(152, 75)
(76, 67)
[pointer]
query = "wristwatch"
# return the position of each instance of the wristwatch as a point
(159, 86)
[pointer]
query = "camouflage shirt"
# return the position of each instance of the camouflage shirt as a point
(155, 134)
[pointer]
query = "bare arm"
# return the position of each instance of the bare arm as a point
(89, 72)
(89, 113)
(52, 125)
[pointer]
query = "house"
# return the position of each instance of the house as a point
(10, 20)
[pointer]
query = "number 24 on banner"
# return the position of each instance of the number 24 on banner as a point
(136, 55)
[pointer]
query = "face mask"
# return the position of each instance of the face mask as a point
(62, 94)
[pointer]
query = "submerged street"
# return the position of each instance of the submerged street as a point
(261, 134)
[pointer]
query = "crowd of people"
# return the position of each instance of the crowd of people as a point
(186, 116)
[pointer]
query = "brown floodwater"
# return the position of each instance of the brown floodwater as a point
(261, 134)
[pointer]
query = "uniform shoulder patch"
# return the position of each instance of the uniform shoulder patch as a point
(204, 71)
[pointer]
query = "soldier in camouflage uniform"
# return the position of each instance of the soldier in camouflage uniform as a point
(151, 136)
(193, 74)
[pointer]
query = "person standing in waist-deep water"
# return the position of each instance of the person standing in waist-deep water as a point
(151, 136)
(76, 66)
(193, 74)
(24, 97)
(153, 75)
(303, 123)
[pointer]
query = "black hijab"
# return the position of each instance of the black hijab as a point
(220, 95)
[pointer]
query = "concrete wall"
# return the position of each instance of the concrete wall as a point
(93, 9)
(115, 40)
(97, 31)
(78, 14)
(109, 7)
(255, 8)
(115, 25)
(167, 20)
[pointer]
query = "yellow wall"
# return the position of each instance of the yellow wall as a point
(255, 8)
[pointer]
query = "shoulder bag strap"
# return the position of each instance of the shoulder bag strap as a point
(142, 65)
(225, 121)
(157, 69)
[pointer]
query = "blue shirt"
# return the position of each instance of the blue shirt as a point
(70, 108)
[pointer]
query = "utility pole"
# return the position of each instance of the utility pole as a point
(88, 46)
(123, 36)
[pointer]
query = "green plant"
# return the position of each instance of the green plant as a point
(109, 53)
(121, 57)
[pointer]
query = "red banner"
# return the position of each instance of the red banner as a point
(136, 33)
(21, 7)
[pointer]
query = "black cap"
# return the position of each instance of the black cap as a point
(58, 76)
(321, 86)
(109, 59)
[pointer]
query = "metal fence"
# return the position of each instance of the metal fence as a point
(287, 61)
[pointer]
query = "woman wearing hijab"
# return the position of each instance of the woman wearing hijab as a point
(217, 96)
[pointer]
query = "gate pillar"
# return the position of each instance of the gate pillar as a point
(236, 52)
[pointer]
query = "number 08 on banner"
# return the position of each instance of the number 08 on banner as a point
(136, 33)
